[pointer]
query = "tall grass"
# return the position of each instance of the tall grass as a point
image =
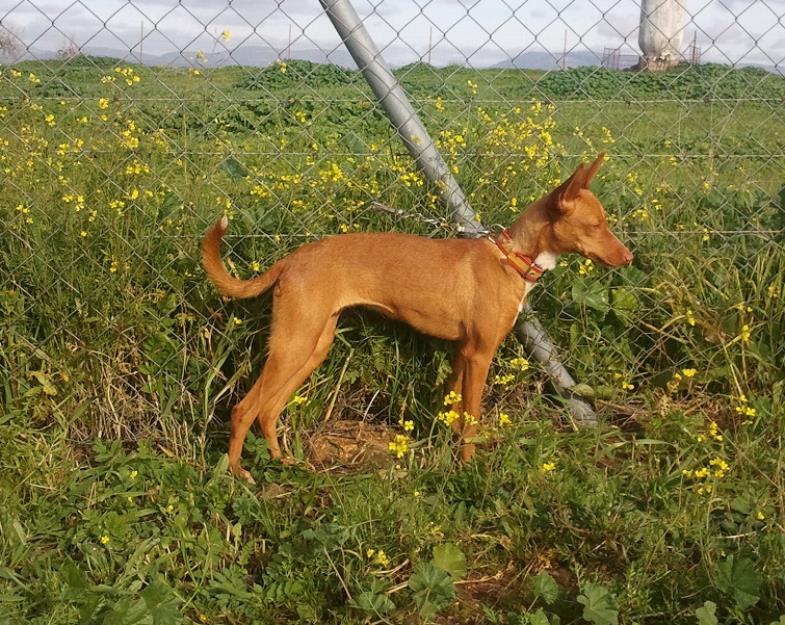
(120, 363)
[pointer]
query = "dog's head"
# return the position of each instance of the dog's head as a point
(578, 222)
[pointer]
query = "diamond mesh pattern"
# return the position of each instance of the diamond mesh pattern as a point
(114, 167)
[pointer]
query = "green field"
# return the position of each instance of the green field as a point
(119, 363)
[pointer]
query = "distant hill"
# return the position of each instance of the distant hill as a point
(546, 60)
(262, 56)
(254, 56)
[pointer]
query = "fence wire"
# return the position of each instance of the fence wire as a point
(126, 128)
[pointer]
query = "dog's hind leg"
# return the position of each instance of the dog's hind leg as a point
(295, 343)
(289, 380)
(242, 416)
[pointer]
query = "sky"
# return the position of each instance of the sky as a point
(473, 32)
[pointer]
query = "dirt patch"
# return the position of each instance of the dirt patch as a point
(345, 445)
(508, 590)
(473, 593)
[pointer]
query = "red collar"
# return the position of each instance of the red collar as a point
(523, 264)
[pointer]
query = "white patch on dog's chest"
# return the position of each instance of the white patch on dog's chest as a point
(546, 260)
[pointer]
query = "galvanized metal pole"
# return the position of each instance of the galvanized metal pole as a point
(395, 103)
(403, 117)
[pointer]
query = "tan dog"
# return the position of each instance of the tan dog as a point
(464, 290)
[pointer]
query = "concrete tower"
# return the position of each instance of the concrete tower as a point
(660, 35)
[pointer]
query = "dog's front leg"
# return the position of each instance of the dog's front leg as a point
(477, 364)
(456, 389)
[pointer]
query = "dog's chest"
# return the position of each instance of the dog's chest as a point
(546, 260)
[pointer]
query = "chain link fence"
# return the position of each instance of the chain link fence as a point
(126, 128)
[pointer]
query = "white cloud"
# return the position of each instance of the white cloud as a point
(482, 31)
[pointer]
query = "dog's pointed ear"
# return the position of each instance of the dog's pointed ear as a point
(561, 198)
(593, 169)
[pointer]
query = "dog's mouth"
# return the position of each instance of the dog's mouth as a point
(608, 263)
(596, 258)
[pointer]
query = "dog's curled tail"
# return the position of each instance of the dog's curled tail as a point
(227, 284)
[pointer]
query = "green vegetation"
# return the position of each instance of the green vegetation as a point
(119, 363)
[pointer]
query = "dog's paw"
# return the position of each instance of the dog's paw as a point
(245, 476)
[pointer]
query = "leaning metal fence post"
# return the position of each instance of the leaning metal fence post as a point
(405, 120)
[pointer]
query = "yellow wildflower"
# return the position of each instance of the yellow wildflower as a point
(548, 467)
(399, 446)
(104, 539)
(520, 363)
(689, 373)
(448, 418)
(625, 384)
(379, 557)
(503, 379)
(452, 398)
(103, 103)
(504, 419)
(720, 467)
(585, 267)
(298, 399)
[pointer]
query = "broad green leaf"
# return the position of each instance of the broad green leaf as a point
(235, 168)
(545, 587)
(538, 618)
(450, 558)
(161, 604)
(432, 589)
(625, 302)
(738, 578)
(706, 614)
(374, 603)
(592, 295)
(597, 604)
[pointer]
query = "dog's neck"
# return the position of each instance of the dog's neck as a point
(529, 235)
